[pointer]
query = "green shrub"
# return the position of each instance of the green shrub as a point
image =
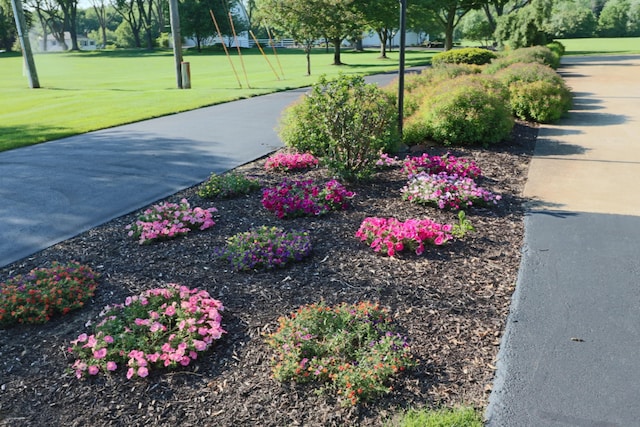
(541, 101)
(539, 54)
(557, 48)
(467, 55)
(528, 72)
(467, 110)
(458, 417)
(226, 186)
(346, 122)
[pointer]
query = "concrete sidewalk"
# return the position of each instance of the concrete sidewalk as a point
(53, 191)
(569, 355)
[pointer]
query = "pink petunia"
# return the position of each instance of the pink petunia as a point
(111, 366)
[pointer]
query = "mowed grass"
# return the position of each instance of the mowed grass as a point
(85, 91)
(603, 46)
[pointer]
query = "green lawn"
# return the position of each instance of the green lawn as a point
(85, 91)
(606, 46)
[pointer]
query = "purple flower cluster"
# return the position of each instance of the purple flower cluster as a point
(265, 247)
(446, 191)
(303, 198)
(449, 164)
(169, 220)
(160, 327)
(390, 235)
(286, 162)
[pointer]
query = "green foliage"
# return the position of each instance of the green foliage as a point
(227, 185)
(353, 349)
(45, 292)
(557, 48)
(613, 19)
(528, 72)
(344, 121)
(468, 55)
(572, 19)
(463, 226)
(539, 54)
(468, 110)
(526, 26)
(458, 417)
(541, 101)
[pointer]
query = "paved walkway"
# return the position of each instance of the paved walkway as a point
(570, 354)
(51, 192)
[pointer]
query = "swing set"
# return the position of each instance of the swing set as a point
(235, 39)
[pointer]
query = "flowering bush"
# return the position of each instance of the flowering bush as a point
(169, 220)
(446, 191)
(437, 164)
(387, 161)
(44, 292)
(160, 327)
(228, 185)
(391, 235)
(265, 247)
(303, 198)
(287, 162)
(351, 348)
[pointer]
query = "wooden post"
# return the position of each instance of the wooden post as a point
(23, 35)
(177, 40)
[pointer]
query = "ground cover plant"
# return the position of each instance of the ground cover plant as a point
(292, 198)
(450, 302)
(45, 292)
(287, 162)
(230, 184)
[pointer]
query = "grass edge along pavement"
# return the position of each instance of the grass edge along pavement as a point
(79, 90)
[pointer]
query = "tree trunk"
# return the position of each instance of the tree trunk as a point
(448, 30)
(336, 51)
(383, 43)
(307, 50)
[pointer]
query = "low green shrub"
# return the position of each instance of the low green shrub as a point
(541, 101)
(468, 110)
(228, 185)
(467, 55)
(344, 121)
(456, 417)
(528, 72)
(557, 48)
(539, 54)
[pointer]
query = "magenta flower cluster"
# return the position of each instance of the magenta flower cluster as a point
(162, 327)
(387, 161)
(286, 162)
(170, 220)
(390, 236)
(449, 164)
(304, 198)
(446, 191)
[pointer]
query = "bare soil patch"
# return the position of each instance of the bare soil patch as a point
(451, 302)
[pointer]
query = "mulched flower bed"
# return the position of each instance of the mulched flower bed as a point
(451, 303)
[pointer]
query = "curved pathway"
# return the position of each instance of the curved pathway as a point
(570, 353)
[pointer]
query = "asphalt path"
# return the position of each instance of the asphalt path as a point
(569, 355)
(56, 190)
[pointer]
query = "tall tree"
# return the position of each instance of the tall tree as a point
(100, 8)
(343, 20)
(69, 10)
(51, 21)
(195, 19)
(613, 19)
(382, 16)
(298, 19)
(525, 27)
(494, 9)
(131, 15)
(450, 13)
(8, 32)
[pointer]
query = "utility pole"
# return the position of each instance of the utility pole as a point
(23, 35)
(403, 41)
(177, 40)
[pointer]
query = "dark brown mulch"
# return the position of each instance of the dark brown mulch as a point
(452, 303)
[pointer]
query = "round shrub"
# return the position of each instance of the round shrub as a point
(228, 185)
(528, 72)
(352, 349)
(534, 54)
(468, 110)
(467, 55)
(162, 327)
(540, 101)
(346, 122)
(45, 292)
(557, 48)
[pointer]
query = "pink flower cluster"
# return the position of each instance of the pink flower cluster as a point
(387, 161)
(391, 235)
(452, 165)
(303, 198)
(161, 327)
(169, 220)
(286, 162)
(446, 191)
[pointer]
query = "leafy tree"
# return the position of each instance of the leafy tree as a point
(195, 19)
(423, 19)
(614, 19)
(494, 9)
(450, 13)
(69, 10)
(476, 27)
(383, 17)
(526, 26)
(634, 20)
(8, 32)
(572, 20)
(343, 20)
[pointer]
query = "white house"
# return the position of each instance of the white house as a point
(52, 45)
